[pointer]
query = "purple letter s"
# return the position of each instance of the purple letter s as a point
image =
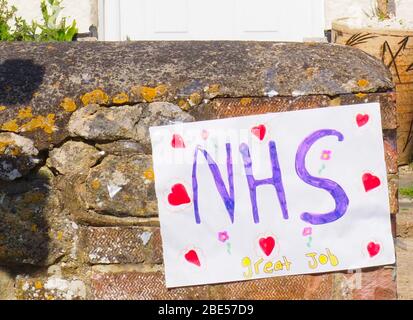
(332, 187)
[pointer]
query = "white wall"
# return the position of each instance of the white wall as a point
(344, 8)
(347, 8)
(404, 9)
(84, 11)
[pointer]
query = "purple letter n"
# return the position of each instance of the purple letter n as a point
(227, 197)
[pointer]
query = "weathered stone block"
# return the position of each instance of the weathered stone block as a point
(74, 157)
(116, 245)
(125, 122)
(50, 288)
(18, 156)
(121, 186)
(34, 227)
(100, 123)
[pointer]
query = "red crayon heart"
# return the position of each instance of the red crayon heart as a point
(370, 181)
(267, 245)
(192, 257)
(177, 141)
(259, 131)
(178, 195)
(362, 119)
(373, 249)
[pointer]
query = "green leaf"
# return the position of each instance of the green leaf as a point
(15, 28)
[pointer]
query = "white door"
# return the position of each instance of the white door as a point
(272, 20)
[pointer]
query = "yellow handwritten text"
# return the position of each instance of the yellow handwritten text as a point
(267, 267)
(317, 259)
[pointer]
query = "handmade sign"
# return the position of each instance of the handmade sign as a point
(272, 195)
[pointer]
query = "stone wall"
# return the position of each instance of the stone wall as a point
(74, 121)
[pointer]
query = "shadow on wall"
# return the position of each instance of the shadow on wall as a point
(24, 230)
(24, 237)
(19, 80)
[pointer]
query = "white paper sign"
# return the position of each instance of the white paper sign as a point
(272, 195)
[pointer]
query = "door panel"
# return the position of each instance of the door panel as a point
(274, 20)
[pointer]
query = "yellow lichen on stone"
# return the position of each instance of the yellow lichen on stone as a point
(4, 145)
(8, 147)
(59, 235)
(38, 285)
(360, 95)
(69, 105)
(141, 211)
(126, 197)
(149, 94)
(363, 83)
(121, 98)
(34, 228)
(95, 184)
(335, 102)
(184, 105)
(47, 124)
(181, 103)
(195, 99)
(25, 113)
(161, 90)
(2, 108)
(149, 174)
(245, 101)
(213, 89)
(97, 96)
(11, 126)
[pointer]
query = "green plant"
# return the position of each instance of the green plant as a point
(52, 29)
(381, 10)
(6, 16)
(407, 192)
(15, 28)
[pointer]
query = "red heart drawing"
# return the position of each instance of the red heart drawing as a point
(259, 131)
(177, 141)
(373, 249)
(370, 181)
(362, 119)
(178, 195)
(267, 245)
(192, 257)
